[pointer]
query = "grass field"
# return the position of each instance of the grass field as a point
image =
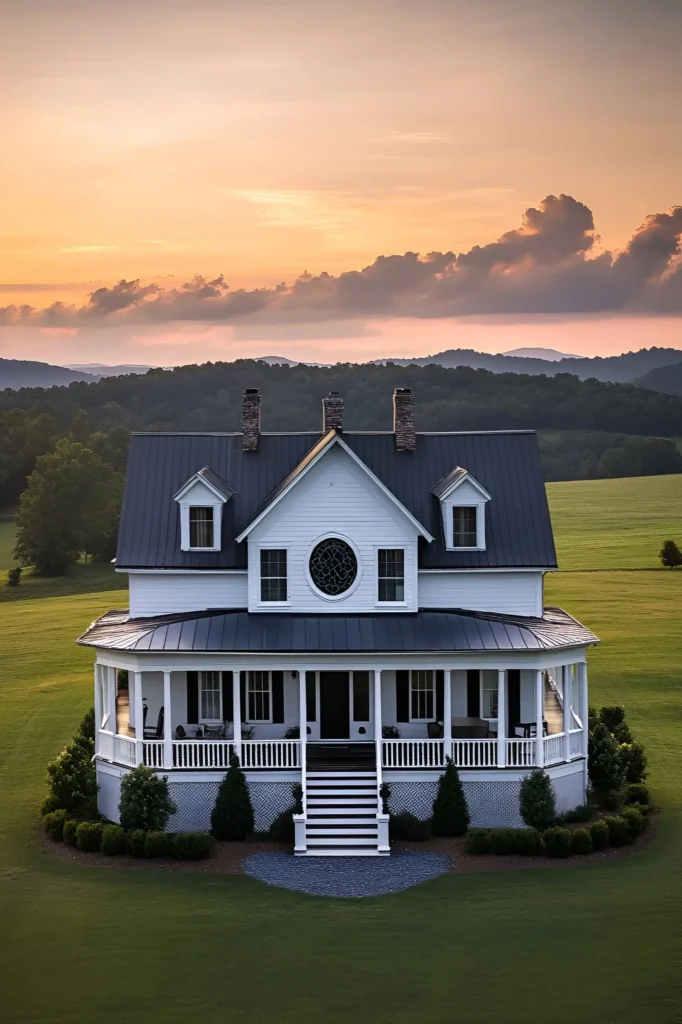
(6, 540)
(601, 943)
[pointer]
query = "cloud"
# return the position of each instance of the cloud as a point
(547, 265)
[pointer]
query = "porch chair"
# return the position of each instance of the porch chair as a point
(154, 732)
(434, 730)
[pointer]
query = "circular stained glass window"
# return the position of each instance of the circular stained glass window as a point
(333, 566)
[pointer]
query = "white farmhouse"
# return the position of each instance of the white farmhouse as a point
(343, 610)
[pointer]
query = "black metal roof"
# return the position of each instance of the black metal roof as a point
(506, 464)
(284, 633)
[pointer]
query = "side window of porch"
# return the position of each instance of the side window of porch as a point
(273, 574)
(391, 574)
(422, 695)
(489, 685)
(258, 697)
(210, 692)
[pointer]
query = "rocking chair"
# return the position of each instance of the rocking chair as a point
(154, 732)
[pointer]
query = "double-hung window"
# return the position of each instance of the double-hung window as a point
(273, 574)
(464, 527)
(391, 574)
(489, 685)
(258, 697)
(422, 695)
(210, 691)
(200, 526)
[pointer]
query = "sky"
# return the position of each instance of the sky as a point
(182, 182)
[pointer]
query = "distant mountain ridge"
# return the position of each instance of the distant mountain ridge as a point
(26, 373)
(666, 379)
(551, 354)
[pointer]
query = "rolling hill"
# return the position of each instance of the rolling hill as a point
(25, 373)
(667, 379)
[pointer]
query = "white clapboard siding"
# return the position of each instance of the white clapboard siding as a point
(508, 593)
(335, 498)
(163, 593)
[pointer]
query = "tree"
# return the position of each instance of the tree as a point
(70, 506)
(232, 815)
(72, 780)
(671, 556)
(450, 810)
(145, 801)
(536, 800)
(604, 763)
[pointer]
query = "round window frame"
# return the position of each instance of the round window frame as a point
(356, 582)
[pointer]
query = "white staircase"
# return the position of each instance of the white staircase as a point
(341, 814)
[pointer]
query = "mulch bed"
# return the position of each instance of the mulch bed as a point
(228, 857)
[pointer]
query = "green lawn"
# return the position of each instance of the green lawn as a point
(602, 943)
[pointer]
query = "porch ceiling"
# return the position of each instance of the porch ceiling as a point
(281, 633)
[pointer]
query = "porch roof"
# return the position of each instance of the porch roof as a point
(281, 633)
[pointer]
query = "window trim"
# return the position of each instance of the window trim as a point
(245, 711)
(205, 508)
(384, 602)
(202, 677)
(481, 688)
(184, 524)
(449, 517)
(261, 601)
(432, 717)
(334, 535)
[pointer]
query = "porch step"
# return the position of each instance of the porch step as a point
(340, 841)
(341, 801)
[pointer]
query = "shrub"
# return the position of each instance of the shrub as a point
(89, 836)
(69, 831)
(192, 845)
(557, 841)
(633, 761)
(450, 811)
(599, 834)
(581, 841)
(49, 804)
(232, 815)
(145, 801)
(582, 813)
(622, 734)
(502, 841)
(635, 820)
(113, 840)
(282, 828)
(53, 823)
(610, 802)
(527, 842)
(612, 716)
(71, 778)
(297, 794)
(637, 793)
(619, 834)
(158, 844)
(390, 732)
(479, 841)
(135, 842)
(406, 825)
(604, 764)
(536, 800)
(385, 794)
(86, 729)
(14, 576)
(642, 808)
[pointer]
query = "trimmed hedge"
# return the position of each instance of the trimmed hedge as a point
(478, 841)
(581, 841)
(53, 823)
(192, 845)
(583, 813)
(113, 841)
(636, 822)
(50, 803)
(619, 834)
(600, 835)
(69, 831)
(89, 836)
(557, 841)
(158, 844)
(282, 828)
(527, 842)
(406, 825)
(637, 793)
(135, 842)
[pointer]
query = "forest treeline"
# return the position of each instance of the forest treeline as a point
(586, 428)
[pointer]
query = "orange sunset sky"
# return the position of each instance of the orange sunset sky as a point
(182, 182)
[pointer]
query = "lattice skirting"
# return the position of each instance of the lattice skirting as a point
(195, 802)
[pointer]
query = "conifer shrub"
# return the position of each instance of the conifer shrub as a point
(69, 831)
(135, 841)
(479, 841)
(232, 815)
(635, 820)
(622, 734)
(599, 834)
(113, 841)
(637, 793)
(604, 763)
(53, 823)
(612, 716)
(619, 834)
(536, 800)
(450, 810)
(408, 826)
(557, 841)
(581, 841)
(158, 844)
(145, 801)
(14, 576)
(72, 780)
(192, 845)
(89, 836)
(633, 761)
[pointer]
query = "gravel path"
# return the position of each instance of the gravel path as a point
(346, 876)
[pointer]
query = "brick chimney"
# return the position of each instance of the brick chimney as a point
(332, 412)
(250, 419)
(403, 420)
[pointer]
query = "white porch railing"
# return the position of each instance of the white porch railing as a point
(575, 743)
(412, 754)
(271, 754)
(153, 753)
(202, 753)
(124, 750)
(105, 744)
(474, 753)
(553, 747)
(520, 753)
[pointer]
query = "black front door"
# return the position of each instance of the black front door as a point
(334, 706)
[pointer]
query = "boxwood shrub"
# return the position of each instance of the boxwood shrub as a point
(135, 842)
(643, 809)
(158, 844)
(406, 825)
(637, 793)
(557, 841)
(599, 834)
(69, 831)
(113, 840)
(282, 828)
(581, 841)
(619, 834)
(504, 841)
(527, 841)
(478, 841)
(636, 822)
(49, 804)
(192, 845)
(89, 836)
(53, 823)
(583, 813)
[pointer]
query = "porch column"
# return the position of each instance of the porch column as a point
(501, 718)
(237, 712)
(167, 722)
(447, 713)
(539, 716)
(378, 737)
(139, 715)
(303, 728)
(567, 691)
(584, 704)
(98, 704)
(111, 699)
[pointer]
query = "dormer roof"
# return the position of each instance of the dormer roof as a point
(220, 488)
(454, 479)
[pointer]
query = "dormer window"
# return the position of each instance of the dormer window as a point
(201, 501)
(464, 532)
(201, 526)
(462, 501)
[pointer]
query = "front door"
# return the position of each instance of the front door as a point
(334, 706)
